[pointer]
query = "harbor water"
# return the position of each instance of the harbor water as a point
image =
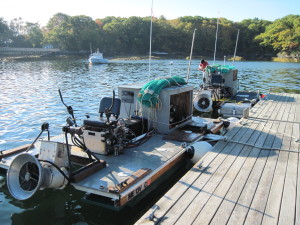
(29, 97)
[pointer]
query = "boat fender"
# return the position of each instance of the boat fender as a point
(232, 122)
(226, 124)
(197, 150)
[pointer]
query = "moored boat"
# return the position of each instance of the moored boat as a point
(97, 58)
(120, 157)
(219, 93)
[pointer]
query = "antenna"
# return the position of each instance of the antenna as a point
(216, 39)
(237, 39)
(171, 63)
(150, 42)
(188, 73)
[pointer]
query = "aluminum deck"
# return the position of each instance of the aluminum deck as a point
(128, 174)
(251, 177)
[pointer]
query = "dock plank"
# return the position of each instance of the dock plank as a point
(262, 192)
(252, 177)
(288, 202)
(208, 212)
(225, 209)
(177, 210)
(243, 205)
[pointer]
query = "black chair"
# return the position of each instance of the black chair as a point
(216, 80)
(106, 102)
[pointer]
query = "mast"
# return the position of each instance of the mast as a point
(216, 40)
(189, 67)
(237, 39)
(150, 48)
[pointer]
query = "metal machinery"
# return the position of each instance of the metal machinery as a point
(219, 93)
(97, 146)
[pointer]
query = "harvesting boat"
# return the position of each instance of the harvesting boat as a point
(140, 139)
(219, 90)
(219, 93)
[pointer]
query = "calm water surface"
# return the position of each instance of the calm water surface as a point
(29, 97)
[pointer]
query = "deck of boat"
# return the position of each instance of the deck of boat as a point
(251, 177)
(119, 177)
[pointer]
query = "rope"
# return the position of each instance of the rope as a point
(262, 148)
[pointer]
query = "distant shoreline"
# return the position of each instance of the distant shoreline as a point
(135, 57)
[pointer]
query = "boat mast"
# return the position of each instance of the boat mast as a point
(150, 42)
(216, 40)
(237, 39)
(191, 54)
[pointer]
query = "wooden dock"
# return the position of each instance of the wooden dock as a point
(251, 177)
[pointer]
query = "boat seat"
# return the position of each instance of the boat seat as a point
(106, 103)
(95, 123)
(216, 80)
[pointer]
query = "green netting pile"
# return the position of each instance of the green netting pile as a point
(226, 68)
(223, 69)
(149, 94)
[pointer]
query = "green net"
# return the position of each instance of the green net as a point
(149, 94)
(223, 69)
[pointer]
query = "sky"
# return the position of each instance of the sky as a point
(39, 11)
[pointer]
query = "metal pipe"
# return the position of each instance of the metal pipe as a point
(191, 54)
(237, 38)
(216, 40)
(149, 76)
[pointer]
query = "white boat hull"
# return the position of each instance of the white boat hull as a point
(97, 61)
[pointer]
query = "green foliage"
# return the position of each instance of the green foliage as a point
(34, 34)
(249, 29)
(283, 35)
(131, 36)
(5, 33)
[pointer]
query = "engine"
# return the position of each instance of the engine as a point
(105, 138)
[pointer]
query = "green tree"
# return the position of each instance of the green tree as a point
(84, 31)
(248, 46)
(283, 35)
(5, 33)
(57, 32)
(33, 34)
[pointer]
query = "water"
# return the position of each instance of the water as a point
(29, 96)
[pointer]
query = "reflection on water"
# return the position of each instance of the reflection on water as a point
(29, 97)
(269, 76)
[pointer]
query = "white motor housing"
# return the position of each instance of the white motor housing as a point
(27, 174)
(203, 102)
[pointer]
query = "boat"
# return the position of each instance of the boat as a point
(139, 140)
(97, 58)
(219, 93)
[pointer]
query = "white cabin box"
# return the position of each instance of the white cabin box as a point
(174, 108)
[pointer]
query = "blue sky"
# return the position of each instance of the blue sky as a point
(235, 10)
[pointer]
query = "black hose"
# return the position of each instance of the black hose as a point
(53, 164)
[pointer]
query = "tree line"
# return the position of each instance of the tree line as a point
(130, 36)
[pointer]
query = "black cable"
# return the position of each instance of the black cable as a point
(53, 164)
(141, 141)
